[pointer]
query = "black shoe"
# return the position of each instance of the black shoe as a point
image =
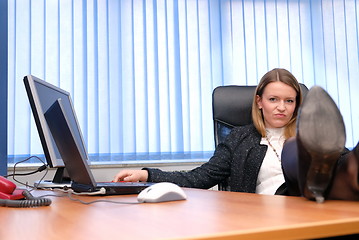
(320, 139)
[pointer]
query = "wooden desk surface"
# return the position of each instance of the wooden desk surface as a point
(204, 215)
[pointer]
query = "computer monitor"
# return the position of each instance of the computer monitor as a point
(41, 96)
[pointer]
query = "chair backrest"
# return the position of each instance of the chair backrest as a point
(232, 106)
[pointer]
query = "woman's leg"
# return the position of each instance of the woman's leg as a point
(290, 167)
(315, 163)
(345, 182)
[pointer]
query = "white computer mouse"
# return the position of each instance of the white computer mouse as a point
(161, 192)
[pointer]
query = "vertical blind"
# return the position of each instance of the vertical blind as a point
(141, 72)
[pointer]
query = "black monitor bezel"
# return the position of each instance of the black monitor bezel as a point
(47, 141)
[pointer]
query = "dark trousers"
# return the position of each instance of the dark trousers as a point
(344, 183)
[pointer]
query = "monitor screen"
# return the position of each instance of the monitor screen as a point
(41, 96)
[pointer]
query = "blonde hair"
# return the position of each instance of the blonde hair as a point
(276, 75)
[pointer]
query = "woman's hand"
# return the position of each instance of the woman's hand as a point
(131, 176)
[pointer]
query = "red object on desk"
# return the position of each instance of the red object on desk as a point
(8, 190)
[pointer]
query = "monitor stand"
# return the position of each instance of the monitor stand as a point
(60, 180)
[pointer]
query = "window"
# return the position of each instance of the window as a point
(141, 73)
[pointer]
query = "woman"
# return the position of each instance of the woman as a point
(251, 155)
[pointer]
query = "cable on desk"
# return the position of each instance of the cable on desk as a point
(28, 202)
(70, 192)
(102, 191)
(40, 169)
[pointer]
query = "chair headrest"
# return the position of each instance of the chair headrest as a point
(232, 104)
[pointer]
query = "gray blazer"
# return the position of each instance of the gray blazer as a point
(239, 158)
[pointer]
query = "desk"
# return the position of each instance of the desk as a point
(205, 214)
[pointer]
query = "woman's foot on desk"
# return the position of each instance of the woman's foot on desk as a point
(346, 182)
(320, 139)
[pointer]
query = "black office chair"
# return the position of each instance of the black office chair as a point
(232, 106)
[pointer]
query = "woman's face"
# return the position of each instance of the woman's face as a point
(278, 103)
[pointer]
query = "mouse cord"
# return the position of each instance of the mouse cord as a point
(102, 191)
(69, 193)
